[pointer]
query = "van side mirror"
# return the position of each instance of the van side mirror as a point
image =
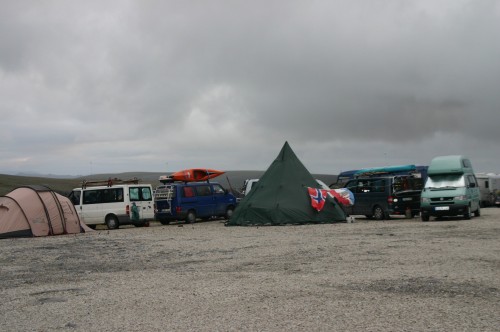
(472, 185)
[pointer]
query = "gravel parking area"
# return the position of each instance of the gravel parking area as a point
(395, 275)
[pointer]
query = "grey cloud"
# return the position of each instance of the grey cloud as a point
(229, 82)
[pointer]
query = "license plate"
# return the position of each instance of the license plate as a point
(442, 208)
(405, 199)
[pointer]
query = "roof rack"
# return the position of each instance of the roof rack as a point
(109, 182)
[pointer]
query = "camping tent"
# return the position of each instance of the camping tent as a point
(281, 197)
(37, 211)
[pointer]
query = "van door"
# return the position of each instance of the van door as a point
(142, 196)
(205, 205)
(360, 188)
(353, 187)
(76, 199)
(220, 200)
(91, 206)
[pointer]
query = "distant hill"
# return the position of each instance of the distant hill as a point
(231, 179)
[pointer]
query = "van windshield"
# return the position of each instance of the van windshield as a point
(445, 181)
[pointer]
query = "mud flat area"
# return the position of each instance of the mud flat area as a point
(396, 275)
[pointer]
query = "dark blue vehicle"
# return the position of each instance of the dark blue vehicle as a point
(187, 201)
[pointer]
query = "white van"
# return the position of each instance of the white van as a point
(114, 205)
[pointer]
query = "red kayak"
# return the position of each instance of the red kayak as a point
(192, 175)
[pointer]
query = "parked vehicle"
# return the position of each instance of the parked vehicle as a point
(489, 187)
(497, 201)
(417, 171)
(451, 189)
(379, 197)
(191, 200)
(114, 204)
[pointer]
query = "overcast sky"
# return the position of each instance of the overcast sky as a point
(115, 86)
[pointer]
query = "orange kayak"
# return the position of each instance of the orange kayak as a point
(192, 175)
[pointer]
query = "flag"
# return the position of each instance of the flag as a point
(343, 195)
(317, 198)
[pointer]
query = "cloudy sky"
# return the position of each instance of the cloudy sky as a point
(116, 86)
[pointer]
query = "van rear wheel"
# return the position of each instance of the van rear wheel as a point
(477, 213)
(112, 222)
(378, 213)
(191, 217)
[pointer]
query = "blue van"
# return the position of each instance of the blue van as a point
(187, 201)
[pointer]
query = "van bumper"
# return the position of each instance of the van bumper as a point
(444, 210)
(167, 216)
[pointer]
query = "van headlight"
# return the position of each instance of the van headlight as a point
(460, 198)
(425, 200)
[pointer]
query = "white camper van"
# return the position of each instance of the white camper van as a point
(114, 204)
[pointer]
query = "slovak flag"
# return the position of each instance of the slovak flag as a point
(317, 198)
(343, 195)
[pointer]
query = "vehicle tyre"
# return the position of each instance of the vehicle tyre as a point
(112, 222)
(164, 222)
(477, 213)
(424, 217)
(378, 213)
(467, 214)
(229, 212)
(191, 217)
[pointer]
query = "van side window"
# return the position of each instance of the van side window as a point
(377, 186)
(75, 197)
(134, 194)
(140, 194)
(352, 186)
(112, 195)
(364, 187)
(92, 196)
(472, 181)
(146, 194)
(203, 191)
(218, 189)
(188, 192)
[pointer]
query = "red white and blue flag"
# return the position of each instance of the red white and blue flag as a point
(343, 195)
(317, 198)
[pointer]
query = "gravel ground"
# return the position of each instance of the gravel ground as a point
(396, 275)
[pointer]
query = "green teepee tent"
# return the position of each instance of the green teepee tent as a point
(281, 197)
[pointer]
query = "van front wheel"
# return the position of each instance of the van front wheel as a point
(229, 212)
